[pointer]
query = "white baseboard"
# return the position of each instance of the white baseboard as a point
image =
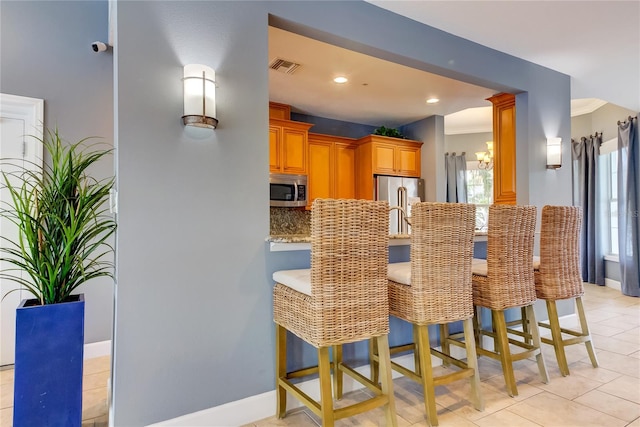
(97, 349)
(263, 405)
(614, 284)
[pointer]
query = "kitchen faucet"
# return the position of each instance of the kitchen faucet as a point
(404, 213)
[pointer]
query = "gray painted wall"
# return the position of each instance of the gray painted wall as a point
(431, 132)
(193, 318)
(193, 321)
(468, 142)
(604, 119)
(46, 53)
(334, 127)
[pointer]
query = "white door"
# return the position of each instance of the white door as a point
(21, 119)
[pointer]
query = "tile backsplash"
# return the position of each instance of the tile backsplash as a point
(289, 221)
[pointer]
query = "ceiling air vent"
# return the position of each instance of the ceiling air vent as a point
(283, 65)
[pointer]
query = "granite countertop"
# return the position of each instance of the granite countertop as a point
(289, 238)
(303, 238)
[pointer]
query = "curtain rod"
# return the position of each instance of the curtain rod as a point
(454, 153)
(590, 136)
(593, 136)
(630, 118)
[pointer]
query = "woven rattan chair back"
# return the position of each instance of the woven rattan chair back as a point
(347, 302)
(349, 255)
(441, 253)
(559, 276)
(510, 281)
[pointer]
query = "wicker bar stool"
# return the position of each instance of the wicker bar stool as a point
(341, 299)
(505, 280)
(434, 288)
(558, 277)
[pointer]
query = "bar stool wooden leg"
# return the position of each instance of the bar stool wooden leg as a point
(326, 397)
(501, 343)
(537, 342)
(373, 360)
(472, 362)
(382, 343)
(493, 329)
(525, 325)
(416, 350)
(444, 342)
(556, 338)
(585, 331)
(477, 325)
(281, 370)
(427, 374)
(337, 372)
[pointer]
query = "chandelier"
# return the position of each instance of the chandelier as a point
(485, 158)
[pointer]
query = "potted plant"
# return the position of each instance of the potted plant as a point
(391, 132)
(64, 225)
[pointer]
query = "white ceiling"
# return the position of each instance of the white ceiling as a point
(595, 42)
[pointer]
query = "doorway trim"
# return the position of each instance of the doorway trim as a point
(30, 112)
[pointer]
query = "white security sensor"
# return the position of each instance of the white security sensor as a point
(98, 46)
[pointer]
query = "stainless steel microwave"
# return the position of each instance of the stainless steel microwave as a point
(288, 190)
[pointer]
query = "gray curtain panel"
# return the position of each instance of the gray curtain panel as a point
(456, 169)
(586, 153)
(628, 199)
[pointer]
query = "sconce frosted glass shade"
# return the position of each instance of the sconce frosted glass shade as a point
(554, 153)
(199, 85)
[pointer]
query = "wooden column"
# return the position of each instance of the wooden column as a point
(504, 148)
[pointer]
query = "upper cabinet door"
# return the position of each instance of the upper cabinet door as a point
(275, 149)
(384, 159)
(294, 149)
(331, 167)
(288, 146)
(408, 161)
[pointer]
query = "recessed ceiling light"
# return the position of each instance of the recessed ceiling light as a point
(340, 79)
(432, 100)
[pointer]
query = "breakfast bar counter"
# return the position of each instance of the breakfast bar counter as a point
(302, 242)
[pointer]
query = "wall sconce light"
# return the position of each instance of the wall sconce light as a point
(485, 158)
(554, 153)
(199, 85)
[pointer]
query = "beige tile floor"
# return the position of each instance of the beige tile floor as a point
(605, 396)
(94, 393)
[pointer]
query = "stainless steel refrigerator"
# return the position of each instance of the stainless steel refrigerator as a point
(402, 192)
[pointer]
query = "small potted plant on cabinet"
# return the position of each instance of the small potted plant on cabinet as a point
(64, 229)
(390, 132)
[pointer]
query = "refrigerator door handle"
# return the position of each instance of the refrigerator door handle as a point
(402, 202)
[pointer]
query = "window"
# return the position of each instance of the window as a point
(480, 193)
(609, 180)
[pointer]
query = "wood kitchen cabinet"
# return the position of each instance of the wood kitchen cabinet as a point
(288, 146)
(331, 167)
(504, 148)
(382, 155)
(279, 111)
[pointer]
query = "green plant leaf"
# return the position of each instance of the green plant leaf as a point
(394, 133)
(63, 220)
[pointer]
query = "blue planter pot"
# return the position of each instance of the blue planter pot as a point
(48, 364)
